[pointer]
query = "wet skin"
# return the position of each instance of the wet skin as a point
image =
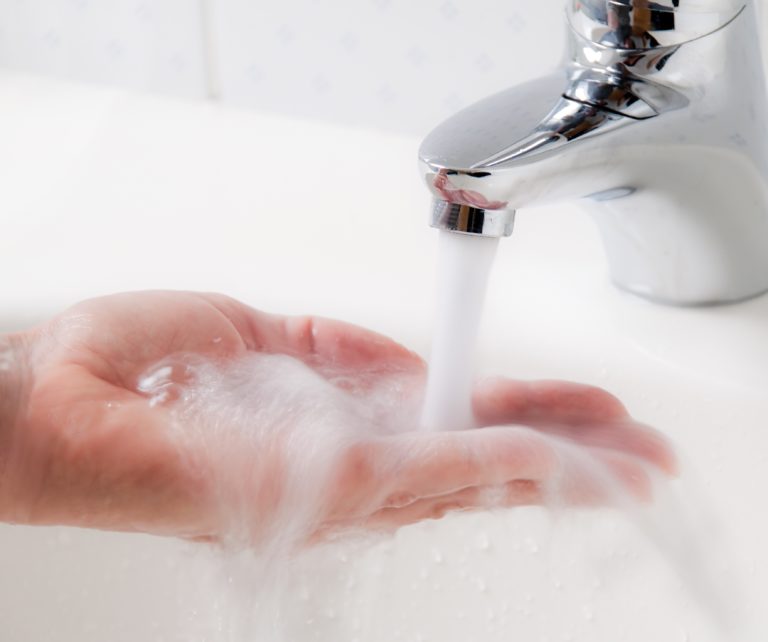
(81, 445)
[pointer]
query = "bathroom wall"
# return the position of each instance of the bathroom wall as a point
(154, 46)
(398, 65)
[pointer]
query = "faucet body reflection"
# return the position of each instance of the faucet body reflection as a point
(657, 123)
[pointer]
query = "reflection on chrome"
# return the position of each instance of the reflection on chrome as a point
(657, 123)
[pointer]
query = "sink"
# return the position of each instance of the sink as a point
(107, 191)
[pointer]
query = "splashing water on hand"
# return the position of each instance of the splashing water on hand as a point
(290, 453)
(268, 434)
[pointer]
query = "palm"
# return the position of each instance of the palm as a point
(91, 428)
(96, 453)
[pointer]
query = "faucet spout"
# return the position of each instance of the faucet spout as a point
(656, 125)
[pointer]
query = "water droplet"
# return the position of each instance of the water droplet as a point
(588, 613)
(437, 556)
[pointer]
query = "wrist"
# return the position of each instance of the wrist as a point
(14, 385)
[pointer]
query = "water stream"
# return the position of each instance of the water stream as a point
(464, 266)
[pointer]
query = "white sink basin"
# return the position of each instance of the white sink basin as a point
(105, 191)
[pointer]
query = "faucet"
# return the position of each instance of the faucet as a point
(657, 124)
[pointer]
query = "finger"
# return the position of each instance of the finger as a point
(602, 478)
(619, 479)
(583, 414)
(316, 339)
(397, 470)
(583, 478)
(592, 477)
(503, 401)
(433, 464)
(627, 437)
(608, 479)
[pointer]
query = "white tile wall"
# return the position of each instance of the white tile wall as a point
(154, 45)
(400, 65)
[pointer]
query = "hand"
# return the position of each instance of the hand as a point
(89, 447)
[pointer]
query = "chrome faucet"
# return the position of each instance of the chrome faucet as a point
(658, 124)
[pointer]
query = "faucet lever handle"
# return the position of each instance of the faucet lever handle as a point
(623, 94)
(642, 24)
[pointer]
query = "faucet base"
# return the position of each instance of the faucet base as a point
(694, 232)
(674, 303)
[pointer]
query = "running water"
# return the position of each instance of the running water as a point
(234, 420)
(464, 266)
